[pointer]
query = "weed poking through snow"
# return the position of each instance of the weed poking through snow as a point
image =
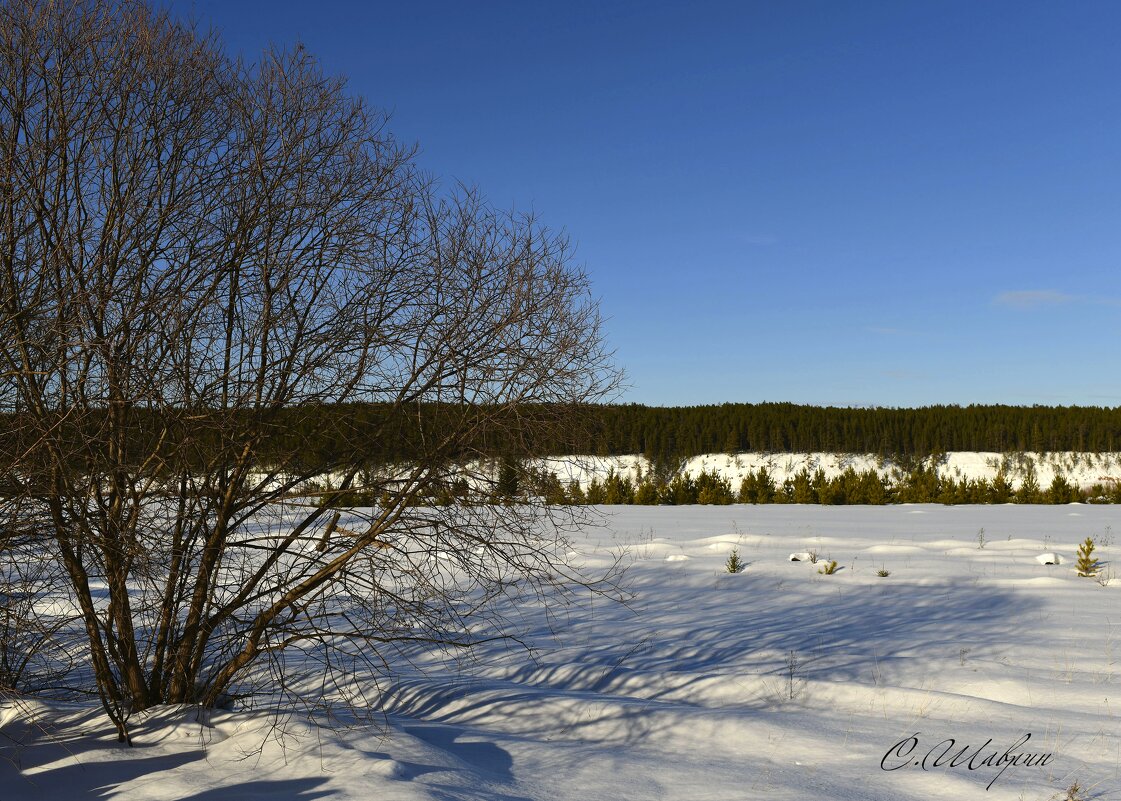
(791, 672)
(1076, 792)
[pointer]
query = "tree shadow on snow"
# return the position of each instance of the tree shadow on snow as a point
(846, 631)
(610, 669)
(295, 789)
(89, 778)
(485, 756)
(81, 748)
(63, 753)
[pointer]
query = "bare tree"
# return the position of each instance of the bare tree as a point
(201, 263)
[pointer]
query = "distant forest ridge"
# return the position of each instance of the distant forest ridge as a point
(661, 433)
(370, 434)
(683, 431)
(664, 434)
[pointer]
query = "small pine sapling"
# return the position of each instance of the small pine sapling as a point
(734, 563)
(1086, 565)
(883, 572)
(828, 568)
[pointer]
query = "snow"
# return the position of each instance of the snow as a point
(775, 683)
(1080, 469)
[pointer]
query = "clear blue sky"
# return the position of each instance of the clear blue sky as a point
(852, 203)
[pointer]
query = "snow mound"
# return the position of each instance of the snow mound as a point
(389, 769)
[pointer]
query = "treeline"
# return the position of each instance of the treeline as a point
(314, 437)
(921, 485)
(375, 434)
(330, 436)
(667, 432)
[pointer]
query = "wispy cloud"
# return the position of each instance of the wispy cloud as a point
(1027, 299)
(1033, 298)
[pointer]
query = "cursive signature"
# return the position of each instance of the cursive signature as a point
(948, 754)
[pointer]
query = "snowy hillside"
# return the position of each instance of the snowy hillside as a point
(1080, 469)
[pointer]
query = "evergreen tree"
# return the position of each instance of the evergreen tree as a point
(646, 493)
(1000, 489)
(921, 485)
(1029, 488)
(1061, 491)
(802, 490)
(508, 484)
(1086, 564)
(712, 488)
(617, 490)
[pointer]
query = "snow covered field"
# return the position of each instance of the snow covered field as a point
(778, 682)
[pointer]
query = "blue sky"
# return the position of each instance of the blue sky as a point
(848, 203)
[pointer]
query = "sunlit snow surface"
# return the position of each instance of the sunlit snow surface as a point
(778, 682)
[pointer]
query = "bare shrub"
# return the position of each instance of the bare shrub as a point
(221, 282)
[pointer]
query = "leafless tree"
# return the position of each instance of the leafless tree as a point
(197, 257)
